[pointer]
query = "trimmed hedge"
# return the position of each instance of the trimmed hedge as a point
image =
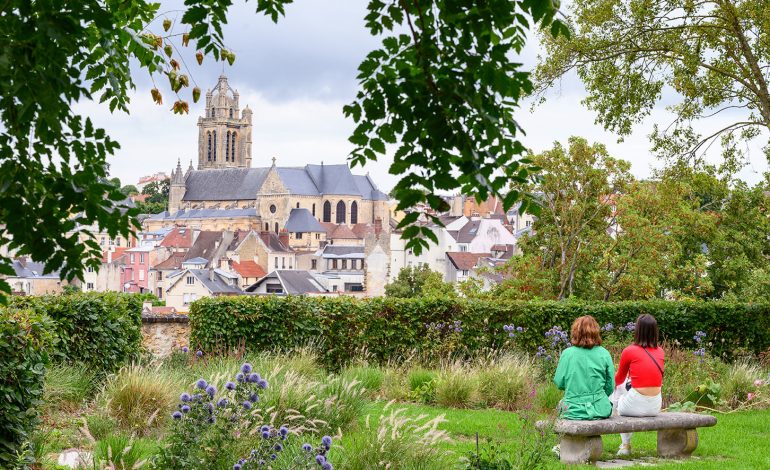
(100, 330)
(25, 337)
(386, 327)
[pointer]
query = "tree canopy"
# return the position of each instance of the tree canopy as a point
(441, 87)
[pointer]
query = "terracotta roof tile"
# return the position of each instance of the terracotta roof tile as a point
(343, 232)
(179, 237)
(464, 260)
(117, 253)
(249, 269)
(173, 262)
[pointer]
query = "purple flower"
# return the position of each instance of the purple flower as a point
(246, 368)
(201, 384)
(240, 378)
(278, 446)
(273, 456)
(320, 459)
(212, 419)
(237, 466)
(283, 430)
(265, 428)
(254, 397)
(254, 378)
(222, 402)
(199, 353)
(247, 405)
(210, 407)
(185, 397)
(327, 466)
(185, 409)
(176, 415)
(265, 434)
(211, 391)
(185, 349)
(307, 447)
(230, 386)
(326, 441)
(262, 383)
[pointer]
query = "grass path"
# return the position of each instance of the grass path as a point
(739, 440)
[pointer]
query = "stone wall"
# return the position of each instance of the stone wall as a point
(163, 334)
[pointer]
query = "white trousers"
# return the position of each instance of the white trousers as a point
(633, 403)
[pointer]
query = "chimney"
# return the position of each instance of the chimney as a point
(224, 263)
(377, 227)
(283, 237)
(265, 236)
(211, 274)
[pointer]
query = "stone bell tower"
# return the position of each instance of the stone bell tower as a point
(224, 132)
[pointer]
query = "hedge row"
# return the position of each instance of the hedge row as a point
(25, 337)
(386, 327)
(101, 330)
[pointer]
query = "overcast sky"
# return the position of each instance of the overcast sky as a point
(297, 75)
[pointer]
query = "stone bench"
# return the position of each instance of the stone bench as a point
(581, 441)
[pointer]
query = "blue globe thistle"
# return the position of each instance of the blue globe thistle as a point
(307, 447)
(283, 430)
(185, 409)
(262, 462)
(265, 434)
(240, 378)
(247, 405)
(241, 461)
(176, 415)
(185, 349)
(185, 397)
(237, 466)
(254, 378)
(230, 386)
(320, 459)
(265, 428)
(246, 368)
(254, 397)
(253, 453)
(262, 383)
(327, 441)
(201, 384)
(211, 391)
(210, 407)
(212, 419)
(199, 353)
(273, 456)
(278, 446)
(196, 397)
(327, 466)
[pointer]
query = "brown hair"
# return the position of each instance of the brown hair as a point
(585, 332)
(646, 331)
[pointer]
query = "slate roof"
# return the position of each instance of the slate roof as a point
(232, 184)
(197, 260)
(32, 269)
(205, 245)
(467, 233)
(274, 243)
(464, 260)
(335, 251)
(248, 269)
(216, 285)
(301, 220)
(186, 214)
(293, 282)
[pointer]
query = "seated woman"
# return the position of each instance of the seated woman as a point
(643, 363)
(585, 373)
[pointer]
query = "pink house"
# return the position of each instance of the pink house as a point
(134, 276)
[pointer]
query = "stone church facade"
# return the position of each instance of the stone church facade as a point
(226, 193)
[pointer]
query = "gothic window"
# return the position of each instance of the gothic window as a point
(231, 113)
(276, 227)
(232, 147)
(267, 226)
(209, 154)
(341, 212)
(214, 149)
(354, 212)
(314, 210)
(227, 147)
(327, 211)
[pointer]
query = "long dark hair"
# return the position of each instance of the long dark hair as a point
(646, 331)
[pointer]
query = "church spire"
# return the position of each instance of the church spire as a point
(224, 133)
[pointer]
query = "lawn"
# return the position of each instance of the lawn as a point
(738, 441)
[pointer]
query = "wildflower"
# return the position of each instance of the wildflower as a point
(278, 446)
(507, 327)
(262, 383)
(273, 456)
(320, 459)
(185, 397)
(307, 447)
(254, 397)
(199, 353)
(519, 329)
(265, 434)
(548, 357)
(254, 378)
(237, 466)
(196, 397)
(185, 349)
(212, 419)
(750, 396)
(630, 326)
(240, 378)
(326, 441)
(201, 384)
(758, 383)
(176, 415)
(211, 391)
(246, 368)
(700, 352)
(283, 430)
(608, 327)
(265, 428)
(185, 409)
(210, 407)
(327, 466)
(247, 405)
(222, 402)
(230, 386)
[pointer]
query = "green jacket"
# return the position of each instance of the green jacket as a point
(587, 377)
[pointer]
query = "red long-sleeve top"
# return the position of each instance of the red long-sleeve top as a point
(634, 362)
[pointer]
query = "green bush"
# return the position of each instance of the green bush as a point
(68, 386)
(100, 330)
(389, 327)
(24, 340)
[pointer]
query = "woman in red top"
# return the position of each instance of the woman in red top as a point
(642, 363)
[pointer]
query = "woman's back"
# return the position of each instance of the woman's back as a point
(586, 376)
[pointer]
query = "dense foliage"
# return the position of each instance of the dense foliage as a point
(387, 327)
(102, 331)
(25, 338)
(417, 281)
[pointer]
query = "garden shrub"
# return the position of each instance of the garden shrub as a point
(739, 383)
(24, 341)
(504, 382)
(67, 386)
(100, 330)
(391, 327)
(456, 387)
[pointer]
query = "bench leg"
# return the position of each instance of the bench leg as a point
(580, 449)
(677, 443)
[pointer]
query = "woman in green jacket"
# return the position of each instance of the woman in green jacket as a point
(585, 373)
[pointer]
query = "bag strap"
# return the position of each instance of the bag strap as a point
(653, 360)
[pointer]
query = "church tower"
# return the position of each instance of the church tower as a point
(224, 132)
(177, 188)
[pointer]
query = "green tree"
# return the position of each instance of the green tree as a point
(714, 54)
(158, 191)
(129, 190)
(446, 90)
(526, 277)
(419, 281)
